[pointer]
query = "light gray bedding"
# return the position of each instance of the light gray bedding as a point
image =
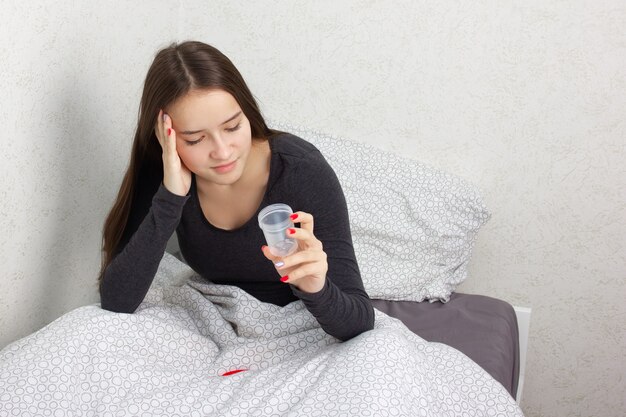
(169, 358)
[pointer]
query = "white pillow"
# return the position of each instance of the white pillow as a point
(413, 227)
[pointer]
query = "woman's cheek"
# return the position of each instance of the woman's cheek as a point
(189, 157)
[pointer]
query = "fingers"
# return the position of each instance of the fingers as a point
(158, 127)
(300, 258)
(171, 134)
(166, 136)
(306, 276)
(305, 220)
(305, 236)
(306, 269)
(266, 251)
(164, 131)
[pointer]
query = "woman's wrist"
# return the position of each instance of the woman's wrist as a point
(311, 287)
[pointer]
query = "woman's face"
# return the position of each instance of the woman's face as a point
(213, 136)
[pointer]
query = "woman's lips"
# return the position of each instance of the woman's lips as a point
(223, 169)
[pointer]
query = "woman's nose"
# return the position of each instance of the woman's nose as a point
(220, 149)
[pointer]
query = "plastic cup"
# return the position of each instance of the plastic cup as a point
(274, 220)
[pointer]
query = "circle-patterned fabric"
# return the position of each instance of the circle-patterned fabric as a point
(203, 349)
(413, 226)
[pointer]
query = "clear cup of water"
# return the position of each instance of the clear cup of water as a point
(274, 220)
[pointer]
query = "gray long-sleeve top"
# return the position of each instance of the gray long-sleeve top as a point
(300, 177)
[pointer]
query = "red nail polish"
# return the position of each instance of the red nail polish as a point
(291, 231)
(293, 216)
(263, 247)
(169, 131)
(285, 278)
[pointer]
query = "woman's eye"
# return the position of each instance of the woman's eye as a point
(193, 142)
(232, 129)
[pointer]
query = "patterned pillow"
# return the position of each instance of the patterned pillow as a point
(413, 227)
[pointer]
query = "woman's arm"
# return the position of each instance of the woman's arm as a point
(154, 215)
(128, 277)
(342, 306)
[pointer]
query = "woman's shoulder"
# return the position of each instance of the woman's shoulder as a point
(291, 146)
(301, 158)
(308, 179)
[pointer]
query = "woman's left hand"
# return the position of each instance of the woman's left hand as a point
(306, 268)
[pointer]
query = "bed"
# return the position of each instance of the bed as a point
(483, 328)
(197, 348)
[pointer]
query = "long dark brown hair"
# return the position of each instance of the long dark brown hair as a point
(175, 71)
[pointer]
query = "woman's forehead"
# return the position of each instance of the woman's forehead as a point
(203, 109)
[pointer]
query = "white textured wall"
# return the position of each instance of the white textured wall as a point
(71, 75)
(525, 100)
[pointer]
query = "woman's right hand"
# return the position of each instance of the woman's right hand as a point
(176, 176)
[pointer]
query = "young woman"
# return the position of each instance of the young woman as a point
(204, 164)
